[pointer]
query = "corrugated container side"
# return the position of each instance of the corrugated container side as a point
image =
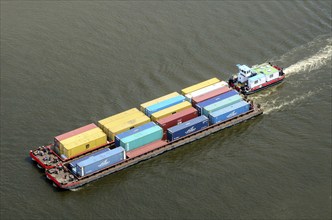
(157, 100)
(210, 95)
(187, 128)
(205, 90)
(75, 162)
(221, 104)
(142, 138)
(199, 86)
(127, 126)
(164, 104)
(79, 146)
(118, 137)
(170, 110)
(146, 148)
(229, 112)
(116, 117)
(72, 133)
(119, 121)
(177, 118)
(201, 105)
(79, 137)
(101, 161)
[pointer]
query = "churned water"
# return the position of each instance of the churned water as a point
(65, 64)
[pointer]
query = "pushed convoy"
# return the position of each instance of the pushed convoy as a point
(91, 152)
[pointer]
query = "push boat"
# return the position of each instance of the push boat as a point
(62, 176)
(205, 108)
(254, 79)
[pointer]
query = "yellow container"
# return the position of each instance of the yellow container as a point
(78, 137)
(120, 121)
(83, 144)
(199, 86)
(157, 100)
(117, 116)
(127, 126)
(171, 110)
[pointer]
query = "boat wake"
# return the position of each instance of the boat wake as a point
(320, 53)
(277, 105)
(318, 60)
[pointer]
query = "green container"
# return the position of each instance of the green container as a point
(221, 104)
(142, 138)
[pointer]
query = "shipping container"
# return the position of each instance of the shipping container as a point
(87, 135)
(134, 123)
(73, 164)
(209, 95)
(146, 148)
(98, 162)
(170, 110)
(187, 128)
(87, 143)
(164, 104)
(205, 90)
(112, 124)
(83, 135)
(118, 137)
(229, 112)
(198, 86)
(116, 117)
(201, 105)
(221, 104)
(141, 138)
(72, 133)
(157, 100)
(177, 118)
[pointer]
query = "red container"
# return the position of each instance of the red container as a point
(209, 95)
(74, 132)
(177, 118)
(146, 148)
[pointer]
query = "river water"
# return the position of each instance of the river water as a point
(65, 64)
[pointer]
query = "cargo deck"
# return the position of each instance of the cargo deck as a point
(62, 177)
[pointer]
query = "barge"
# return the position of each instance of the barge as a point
(62, 176)
(114, 143)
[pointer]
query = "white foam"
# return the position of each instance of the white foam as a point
(312, 63)
(275, 106)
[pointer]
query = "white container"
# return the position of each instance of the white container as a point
(204, 90)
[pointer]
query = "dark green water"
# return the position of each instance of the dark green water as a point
(65, 64)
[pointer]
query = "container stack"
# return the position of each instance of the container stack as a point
(205, 90)
(122, 122)
(80, 140)
(175, 119)
(163, 104)
(198, 86)
(99, 161)
(170, 110)
(186, 128)
(201, 105)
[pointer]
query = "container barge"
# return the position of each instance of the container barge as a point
(119, 141)
(63, 178)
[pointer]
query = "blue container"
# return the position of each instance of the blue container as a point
(188, 127)
(164, 104)
(142, 138)
(221, 104)
(229, 112)
(132, 131)
(100, 161)
(75, 162)
(201, 105)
